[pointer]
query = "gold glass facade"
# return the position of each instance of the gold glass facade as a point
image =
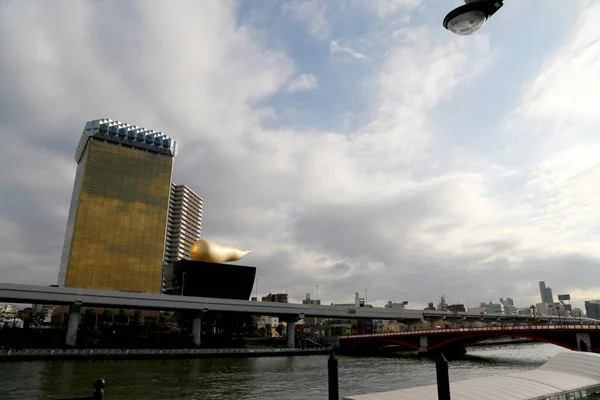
(117, 224)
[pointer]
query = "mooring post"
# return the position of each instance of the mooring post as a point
(98, 389)
(332, 369)
(443, 379)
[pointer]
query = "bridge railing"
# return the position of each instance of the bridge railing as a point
(507, 328)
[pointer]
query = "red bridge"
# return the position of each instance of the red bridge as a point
(455, 340)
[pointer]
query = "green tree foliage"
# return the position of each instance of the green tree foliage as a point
(279, 329)
(122, 318)
(138, 318)
(89, 318)
(107, 317)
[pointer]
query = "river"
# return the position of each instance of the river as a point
(290, 378)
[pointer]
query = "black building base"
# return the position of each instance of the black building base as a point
(202, 279)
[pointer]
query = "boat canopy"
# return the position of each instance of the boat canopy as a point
(565, 376)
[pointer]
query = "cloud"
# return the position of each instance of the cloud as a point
(564, 95)
(302, 82)
(384, 8)
(398, 200)
(312, 13)
(341, 52)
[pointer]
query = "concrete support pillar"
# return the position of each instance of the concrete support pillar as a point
(291, 329)
(423, 344)
(197, 329)
(73, 324)
(291, 333)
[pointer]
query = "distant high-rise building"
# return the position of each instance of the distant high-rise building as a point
(546, 293)
(184, 224)
(308, 300)
(117, 220)
(592, 309)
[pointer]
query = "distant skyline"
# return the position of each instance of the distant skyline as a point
(352, 145)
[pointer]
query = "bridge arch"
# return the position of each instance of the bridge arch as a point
(467, 340)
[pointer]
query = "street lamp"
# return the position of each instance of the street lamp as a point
(182, 283)
(469, 18)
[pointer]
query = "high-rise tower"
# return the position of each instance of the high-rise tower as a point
(184, 224)
(546, 293)
(117, 220)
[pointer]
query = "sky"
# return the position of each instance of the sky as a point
(354, 145)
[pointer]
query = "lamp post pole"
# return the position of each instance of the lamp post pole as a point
(317, 292)
(182, 283)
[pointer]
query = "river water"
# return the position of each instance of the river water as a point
(290, 378)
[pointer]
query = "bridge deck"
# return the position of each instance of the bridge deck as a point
(513, 329)
(566, 373)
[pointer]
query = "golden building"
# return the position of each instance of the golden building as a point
(116, 229)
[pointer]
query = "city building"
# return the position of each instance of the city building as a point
(546, 293)
(45, 309)
(390, 304)
(493, 308)
(592, 309)
(478, 310)
(442, 306)
(577, 312)
(117, 220)
(457, 308)
(6, 308)
(263, 321)
(308, 300)
(430, 306)
(509, 306)
(276, 297)
(184, 225)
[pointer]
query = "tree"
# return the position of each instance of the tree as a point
(138, 318)
(89, 318)
(122, 318)
(57, 320)
(279, 330)
(107, 317)
(269, 330)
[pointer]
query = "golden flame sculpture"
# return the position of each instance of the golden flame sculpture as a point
(208, 251)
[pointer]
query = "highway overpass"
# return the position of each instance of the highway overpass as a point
(14, 293)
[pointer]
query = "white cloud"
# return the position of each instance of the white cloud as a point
(563, 99)
(313, 14)
(302, 82)
(337, 50)
(384, 8)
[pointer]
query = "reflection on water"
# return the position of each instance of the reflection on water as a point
(253, 378)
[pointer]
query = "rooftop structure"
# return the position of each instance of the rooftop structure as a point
(127, 135)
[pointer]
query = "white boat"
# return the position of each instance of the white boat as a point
(569, 375)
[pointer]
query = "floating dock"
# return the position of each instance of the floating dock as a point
(569, 375)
